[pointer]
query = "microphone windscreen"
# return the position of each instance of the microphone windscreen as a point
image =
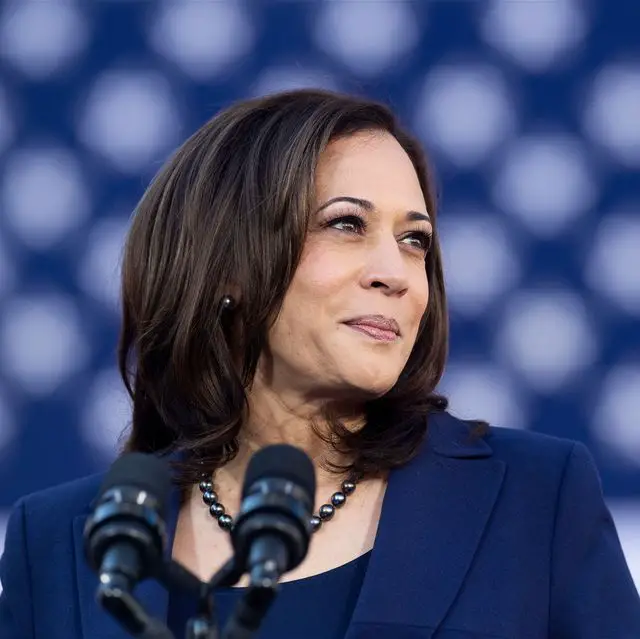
(137, 470)
(281, 461)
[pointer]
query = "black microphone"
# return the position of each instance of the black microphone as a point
(125, 536)
(272, 532)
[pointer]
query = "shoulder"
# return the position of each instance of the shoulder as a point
(521, 445)
(541, 475)
(39, 536)
(528, 455)
(454, 437)
(566, 464)
(64, 501)
(37, 571)
(566, 459)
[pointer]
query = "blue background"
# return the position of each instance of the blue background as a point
(530, 111)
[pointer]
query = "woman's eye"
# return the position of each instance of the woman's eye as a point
(355, 224)
(420, 240)
(348, 223)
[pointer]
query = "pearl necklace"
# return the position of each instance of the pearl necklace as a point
(325, 512)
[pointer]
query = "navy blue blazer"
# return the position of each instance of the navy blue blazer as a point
(502, 538)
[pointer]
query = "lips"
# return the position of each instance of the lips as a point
(376, 326)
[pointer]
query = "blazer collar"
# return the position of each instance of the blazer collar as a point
(434, 513)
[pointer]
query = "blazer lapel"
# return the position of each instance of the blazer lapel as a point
(152, 596)
(434, 513)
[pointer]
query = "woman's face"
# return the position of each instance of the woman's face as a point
(351, 315)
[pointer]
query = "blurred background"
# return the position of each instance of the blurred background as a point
(530, 110)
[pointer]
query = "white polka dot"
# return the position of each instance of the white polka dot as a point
(546, 338)
(481, 391)
(99, 267)
(613, 264)
(367, 37)
(464, 112)
(41, 342)
(41, 38)
(616, 417)
(130, 118)
(287, 78)
(106, 413)
(611, 112)
(546, 183)
(536, 35)
(44, 195)
(203, 38)
(480, 266)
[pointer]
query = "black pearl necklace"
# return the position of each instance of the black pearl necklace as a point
(325, 512)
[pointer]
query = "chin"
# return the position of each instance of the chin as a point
(368, 374)
(372, 386)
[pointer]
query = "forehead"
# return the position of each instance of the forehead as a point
(371, 165)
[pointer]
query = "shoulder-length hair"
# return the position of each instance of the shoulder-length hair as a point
(229, 213)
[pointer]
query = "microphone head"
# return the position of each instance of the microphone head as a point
(281, 461)
(145, 472)
(130, 508)
(274, 522)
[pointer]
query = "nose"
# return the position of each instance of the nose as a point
(386, 268)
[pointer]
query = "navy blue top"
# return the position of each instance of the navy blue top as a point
(317, 607)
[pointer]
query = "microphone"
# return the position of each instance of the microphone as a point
(272, 532)
(125, 536)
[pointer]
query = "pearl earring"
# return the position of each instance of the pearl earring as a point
(227, 303)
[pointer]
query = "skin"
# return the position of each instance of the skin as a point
(357, 260)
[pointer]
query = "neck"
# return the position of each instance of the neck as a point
(287, 418)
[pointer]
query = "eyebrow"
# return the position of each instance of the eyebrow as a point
(413, 216)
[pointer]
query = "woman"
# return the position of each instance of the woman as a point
(282, 282)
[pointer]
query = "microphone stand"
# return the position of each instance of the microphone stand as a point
(204, 625)
(114, 596)
(253, 606)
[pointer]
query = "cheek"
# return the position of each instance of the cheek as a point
(420, 300)
(425, 297)
(308, 297)
(321, 273)
(420, 286)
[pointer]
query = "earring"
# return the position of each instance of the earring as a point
(227, 303)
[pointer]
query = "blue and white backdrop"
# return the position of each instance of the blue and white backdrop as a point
(531, 110)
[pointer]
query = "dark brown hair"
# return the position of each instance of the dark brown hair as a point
(229, 213)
